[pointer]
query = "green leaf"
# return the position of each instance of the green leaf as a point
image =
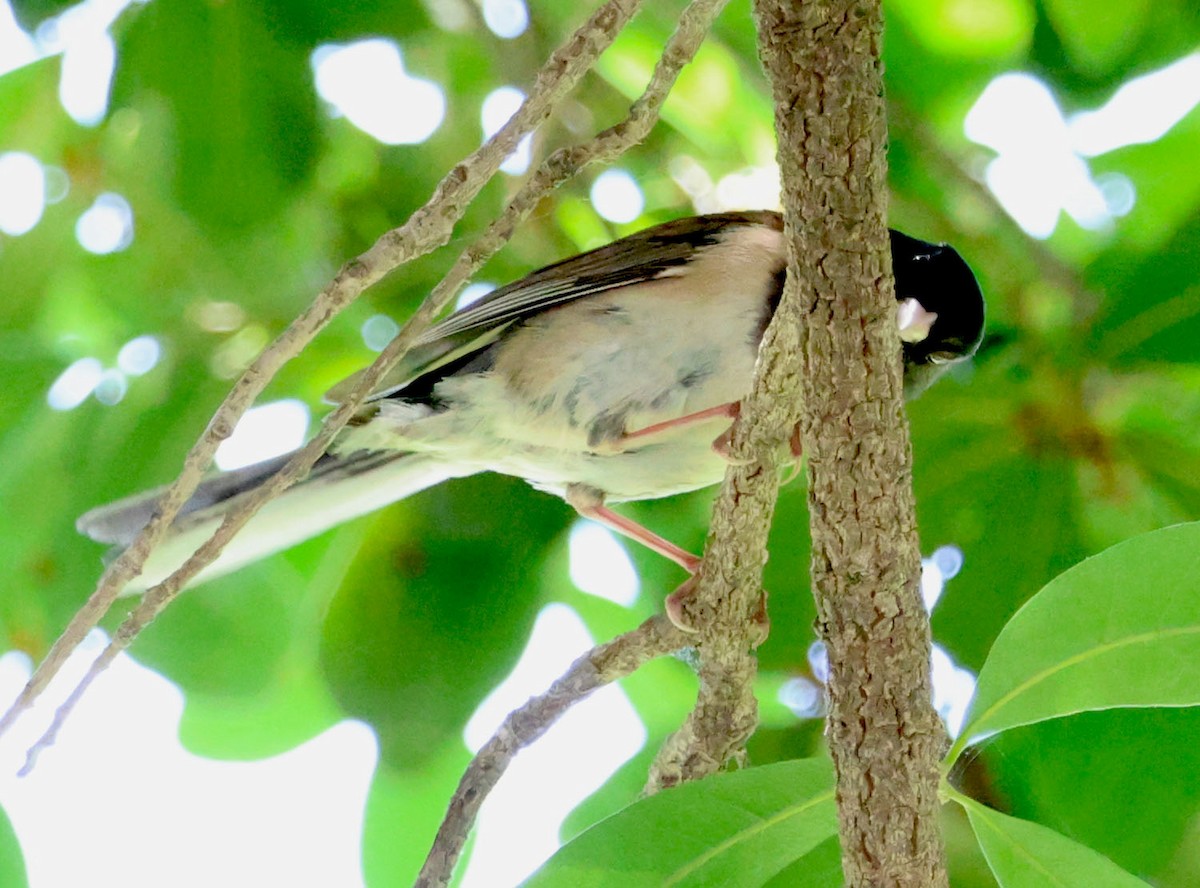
(988, 30)
(819, 868)
(403, 812)
(1120, 781)
(1028, 855)
(1119, 629)
(731, 830)
(12, 862)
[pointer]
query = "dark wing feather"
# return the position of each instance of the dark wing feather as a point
(640, 257)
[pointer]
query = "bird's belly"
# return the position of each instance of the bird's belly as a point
(648, 472)
(673, 461)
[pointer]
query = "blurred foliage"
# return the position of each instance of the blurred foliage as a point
(1077, 426)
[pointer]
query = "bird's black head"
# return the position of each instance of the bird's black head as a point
(938, 278)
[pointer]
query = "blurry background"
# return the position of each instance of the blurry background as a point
(178, 178)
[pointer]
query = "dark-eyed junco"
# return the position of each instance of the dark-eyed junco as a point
(605, 377)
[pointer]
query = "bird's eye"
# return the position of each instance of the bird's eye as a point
(944, 357)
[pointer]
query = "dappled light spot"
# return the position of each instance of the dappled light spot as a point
(804, 698)
(22, 192)
(366, 83)
(87, 71)
(111, 388)
(263, 432)
(1041, 169)
(1036, 176)
(953, 688)
(1140, 111)
(1118, 193)
(949, 561)
(756, 187)
(88, 376)
(139, 355)
(752, 187)
(450, 15)
(939, 567)
(498, 106)
(217, 316)
(106, 226)
(472, 293)
(506, 18)
(17, 48)
(377, 331)
(519, 824)
(58, 184)
(818, 661)
(600, 566)
(81, 35)
(690, 175)
(617, 196)
(75, 384)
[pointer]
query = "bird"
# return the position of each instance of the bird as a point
(604, 378)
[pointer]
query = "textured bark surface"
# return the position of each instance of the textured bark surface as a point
(886, 739)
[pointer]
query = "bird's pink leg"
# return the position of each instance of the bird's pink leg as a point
(589, 503)
(727, 411)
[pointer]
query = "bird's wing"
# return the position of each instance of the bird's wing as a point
(649, 254)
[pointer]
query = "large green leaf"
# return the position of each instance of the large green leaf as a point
(729, 830)
(1120, 629)
(1120, 781)
(1027, 855)
(819, 868)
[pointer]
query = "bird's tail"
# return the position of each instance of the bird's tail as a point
(339, 488)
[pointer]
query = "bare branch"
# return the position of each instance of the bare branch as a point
(600, 666)
(428, 228)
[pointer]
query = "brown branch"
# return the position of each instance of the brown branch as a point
(725, 602)
(823, 60)
(600, 666)
(429, 227)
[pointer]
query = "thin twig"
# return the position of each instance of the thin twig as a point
(428, 228)
(602, 665)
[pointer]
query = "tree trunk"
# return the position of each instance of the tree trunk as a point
(886, 739)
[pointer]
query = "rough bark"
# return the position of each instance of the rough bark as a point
(886, 740)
